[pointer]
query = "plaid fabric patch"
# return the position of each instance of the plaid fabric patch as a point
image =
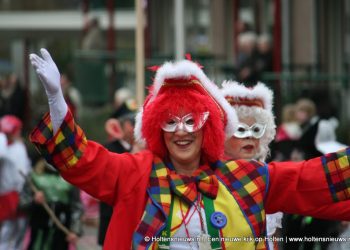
(151, 221)
(157, 207)
(64, 149)
(186, 187)
(246, 180)
(337, 169)
(159, 185)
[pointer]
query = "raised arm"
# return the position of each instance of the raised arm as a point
(49, 76)
(104, 175)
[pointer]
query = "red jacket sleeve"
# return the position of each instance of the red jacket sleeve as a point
(335, 211)
(87, 165)
(106, 175)
(308, 186)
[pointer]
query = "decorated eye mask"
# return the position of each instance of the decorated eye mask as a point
(257, 130)
(184, 123)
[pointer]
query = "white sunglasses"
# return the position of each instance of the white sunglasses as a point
(257, 130)
(184, 123)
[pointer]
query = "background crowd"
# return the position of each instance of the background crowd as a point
(308, 111)
(302, 134)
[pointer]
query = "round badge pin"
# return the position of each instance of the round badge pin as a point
(218, 220)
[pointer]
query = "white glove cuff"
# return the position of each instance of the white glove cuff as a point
(58, 110)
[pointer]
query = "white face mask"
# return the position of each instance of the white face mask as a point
(184, 123)
(257, 130)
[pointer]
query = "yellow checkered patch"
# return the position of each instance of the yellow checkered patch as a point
(343, 162)
(250, 187)
(73, 161)
(59, 138)
(232, 165)
(161, 172)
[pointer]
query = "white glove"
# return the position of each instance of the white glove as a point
(49, 76)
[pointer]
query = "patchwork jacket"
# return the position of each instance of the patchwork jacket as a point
(136, 185)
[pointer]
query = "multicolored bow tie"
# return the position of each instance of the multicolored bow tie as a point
(187, 187)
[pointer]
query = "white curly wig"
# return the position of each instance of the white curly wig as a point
(263, 114)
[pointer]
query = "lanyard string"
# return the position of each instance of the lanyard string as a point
(208, 209)
(184, 216)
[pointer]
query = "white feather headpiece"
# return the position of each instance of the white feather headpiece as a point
(259, 95)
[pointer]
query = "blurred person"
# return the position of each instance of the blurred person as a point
(12, 126)
(306, 115)
(121, 139)
(243, 26)
(15, 163)
(94, 37)
(65, 203)
(253, 105)
(120, 131)
(71, 95)
(288, 133)
(256, 130)
(289, 128)
(264, 57)
(305, 148)
(12, 97)
(183, 123)
(246, 61)
(123, 102)
(120, 125)
(315, 130)
(326, 139)
(91, 210)
(9, 180)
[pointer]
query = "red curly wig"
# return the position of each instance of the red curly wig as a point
(177, 98)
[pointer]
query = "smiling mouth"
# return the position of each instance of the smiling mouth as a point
(248, 147)
(183, 143)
